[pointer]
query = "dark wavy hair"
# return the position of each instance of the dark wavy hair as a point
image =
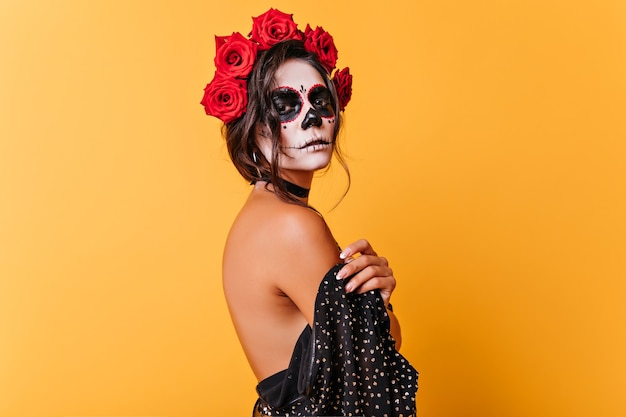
(240, 134)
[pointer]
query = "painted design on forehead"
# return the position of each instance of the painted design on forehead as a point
(287, 103)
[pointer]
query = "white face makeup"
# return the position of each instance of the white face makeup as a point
(307, 118)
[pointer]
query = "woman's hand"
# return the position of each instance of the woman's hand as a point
(372, 271)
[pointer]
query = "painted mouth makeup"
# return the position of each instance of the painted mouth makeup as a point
(313, 144)
(317, 143)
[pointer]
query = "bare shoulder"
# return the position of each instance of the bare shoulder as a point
(275, 257)
(304, 251)
(281, 248)
(299, 230)
(277, 229)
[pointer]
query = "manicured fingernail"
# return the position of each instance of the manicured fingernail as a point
(340, 275)
(349, 286)
(344, 254)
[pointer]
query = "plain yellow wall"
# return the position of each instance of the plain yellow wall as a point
(487, 145)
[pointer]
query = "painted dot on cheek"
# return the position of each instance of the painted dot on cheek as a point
(284, 127)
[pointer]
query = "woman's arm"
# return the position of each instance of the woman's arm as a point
(306, 250)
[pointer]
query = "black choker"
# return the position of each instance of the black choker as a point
(293, 189)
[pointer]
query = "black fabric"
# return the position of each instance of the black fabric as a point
(284, 388)
(346, 365)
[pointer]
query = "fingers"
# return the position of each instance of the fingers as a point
(384, 285)
(368, 270)
(354, 266)
(371, 278)
(361, 246)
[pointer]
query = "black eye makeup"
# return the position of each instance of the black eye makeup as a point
(320, 99)
(287, 103)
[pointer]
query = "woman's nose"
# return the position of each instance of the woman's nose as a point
(312, 118)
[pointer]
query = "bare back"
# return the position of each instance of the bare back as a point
(275, 257)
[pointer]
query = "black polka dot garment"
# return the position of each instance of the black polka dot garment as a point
(347, 365)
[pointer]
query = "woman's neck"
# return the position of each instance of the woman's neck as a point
(299, 178)
(295, 190)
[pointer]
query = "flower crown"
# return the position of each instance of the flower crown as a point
(226, 96)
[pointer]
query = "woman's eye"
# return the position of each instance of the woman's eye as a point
(287, 103)
(283, 108)
(320, 98)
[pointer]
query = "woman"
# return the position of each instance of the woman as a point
(281, 112)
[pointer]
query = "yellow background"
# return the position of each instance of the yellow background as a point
(487, 145)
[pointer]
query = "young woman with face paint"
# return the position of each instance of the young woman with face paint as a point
(277, 251)
(307, 118)
(279, 248)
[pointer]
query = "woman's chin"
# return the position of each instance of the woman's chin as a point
(313, 163)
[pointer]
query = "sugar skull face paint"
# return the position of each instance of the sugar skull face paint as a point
(288, 103)
(306, 113)
(320, 99)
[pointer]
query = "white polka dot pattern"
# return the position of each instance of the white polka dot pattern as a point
(346, 365)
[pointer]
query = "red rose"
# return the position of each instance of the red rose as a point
(343, 84)
(234, 55)
(225, 98)
(321, 43)
(272, 27)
